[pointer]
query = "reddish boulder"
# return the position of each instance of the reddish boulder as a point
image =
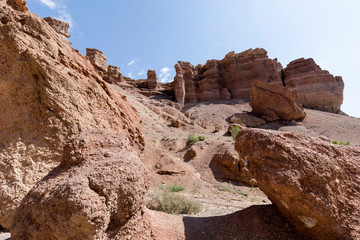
(273, 102)
(97, 192)
(97, 58)
(314, 184)
(317, 88)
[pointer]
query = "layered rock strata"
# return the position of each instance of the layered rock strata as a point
(231, 78)
(59, 26)
(97, 58)
(314, 184)
(274, 102)
(317, 88)
(48, 93)
(224, 79)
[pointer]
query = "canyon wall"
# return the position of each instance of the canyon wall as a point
(231, 78)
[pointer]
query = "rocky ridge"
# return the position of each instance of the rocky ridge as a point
(49, 92)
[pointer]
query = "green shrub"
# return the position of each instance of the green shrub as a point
(234, 131)
(172, 203)
(175, 188)
(201, 138)
(192, 138)
(341, 142)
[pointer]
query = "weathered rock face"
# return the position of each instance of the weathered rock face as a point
(59, 26)
(273, 102)
(113, 74)
(314, 184)
(97, 192)
(225, 79)
(97, 58)
(48, 93)
(152, 79)
(19, 5)
(317, 88)
(226, 165)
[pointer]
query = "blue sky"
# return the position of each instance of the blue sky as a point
(138, 35)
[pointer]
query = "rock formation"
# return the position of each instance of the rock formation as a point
(97, 192)
(231, 78)
(48, 93)
(273, 102)
(317, 88)
(314, 184)
(224, 79)
(226, 165)
(152, 79)
(19, 5)
(113, 74)
(59, 26)
(97, 58)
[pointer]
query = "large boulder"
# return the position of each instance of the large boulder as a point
(48, 93)
(225, 79)
(273, 102)
(97, 192)
(315, 185)
(317, 88)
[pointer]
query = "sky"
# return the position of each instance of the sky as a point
(138, 35)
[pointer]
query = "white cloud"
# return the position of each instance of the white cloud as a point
(130, 75)
(132, 62)
(142, 72)
(165, 74)
(66, 17)
(49, 3)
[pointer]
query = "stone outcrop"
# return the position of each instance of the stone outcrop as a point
(97, 58)
(113, 74)
(314, 184)
(317, 88)
(273, 102)
(97, 192)
(231, 78)
(152, 79)
(48, 93)
(224, 79)
(19, 5)
(59, 26)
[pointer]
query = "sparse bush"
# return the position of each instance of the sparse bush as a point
(172, 203)
(176, 188)
(201, 138)
(192, 138)
(234, 131)
(341, 143)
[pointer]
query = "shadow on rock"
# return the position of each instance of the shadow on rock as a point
(254, 223)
